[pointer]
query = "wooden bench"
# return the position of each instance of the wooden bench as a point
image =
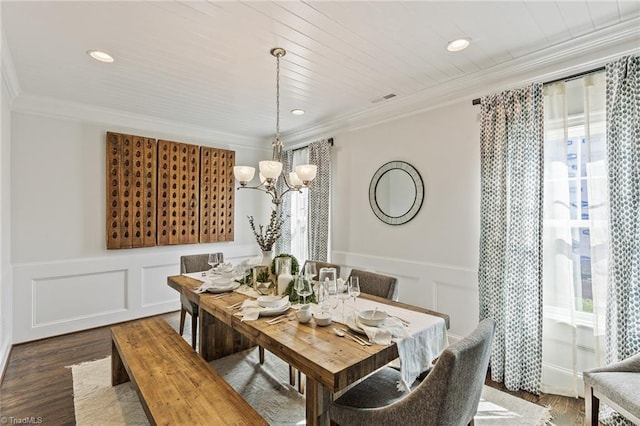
(175, 384)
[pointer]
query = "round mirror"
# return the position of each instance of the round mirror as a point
(396, 192)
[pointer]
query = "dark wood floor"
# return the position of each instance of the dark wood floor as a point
(37, 382)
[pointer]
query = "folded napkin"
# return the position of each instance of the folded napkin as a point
(390, 328)
(250, 309)
(220, 284)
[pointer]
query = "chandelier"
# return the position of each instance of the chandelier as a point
(271, 170)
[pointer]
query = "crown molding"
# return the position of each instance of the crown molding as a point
(55, 108)
(580, 54)
(9, 76)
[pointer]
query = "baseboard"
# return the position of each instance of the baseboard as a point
(4, 358)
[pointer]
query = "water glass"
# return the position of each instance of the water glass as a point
(354, 289)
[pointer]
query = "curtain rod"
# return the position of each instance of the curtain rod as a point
(571, 77)
(330, 140)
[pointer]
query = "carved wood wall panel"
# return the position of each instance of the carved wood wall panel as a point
(178, 192)
(217, 195)
(166, 193)
(131, 187)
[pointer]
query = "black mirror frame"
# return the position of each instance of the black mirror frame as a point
(417, 202)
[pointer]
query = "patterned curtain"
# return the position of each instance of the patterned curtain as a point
(319, 201)
(510, 267)
(623, 163)
(283, 244)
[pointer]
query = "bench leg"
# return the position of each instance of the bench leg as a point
(591, 407)
(118, 372)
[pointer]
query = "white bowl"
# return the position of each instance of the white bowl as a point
(269, 301)
(372, 318)
(322, 318)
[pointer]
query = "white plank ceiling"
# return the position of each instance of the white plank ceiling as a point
(207, 64)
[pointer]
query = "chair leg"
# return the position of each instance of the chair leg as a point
(194, 330)
(261, 354)
(183, 313)
(301, 382)
(591, 407)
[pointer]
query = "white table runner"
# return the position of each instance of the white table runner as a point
(428, 337)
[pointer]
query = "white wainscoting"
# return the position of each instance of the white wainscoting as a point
(452, 290)
(53, 298)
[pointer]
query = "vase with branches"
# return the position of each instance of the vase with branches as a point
(267, 236)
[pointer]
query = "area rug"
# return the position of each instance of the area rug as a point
(265, 387)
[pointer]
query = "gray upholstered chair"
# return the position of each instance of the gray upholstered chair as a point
(617, 385)
(449, 395)
(192, 263)
(376, 284)
(320, 265)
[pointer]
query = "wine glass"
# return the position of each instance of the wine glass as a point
(310, 270)
(303, 288)
(327, 295)
(354, 289)
(214, 260)
(343, 295)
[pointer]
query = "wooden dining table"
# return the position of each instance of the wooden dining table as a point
(331, 363)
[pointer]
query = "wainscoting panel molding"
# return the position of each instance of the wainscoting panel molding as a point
(97, 294)
(53, 298)
(155, 290)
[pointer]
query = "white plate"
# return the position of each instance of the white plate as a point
(232, 285)
(269, 312)
(354, 325)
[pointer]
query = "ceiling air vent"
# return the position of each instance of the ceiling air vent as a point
(384, 98)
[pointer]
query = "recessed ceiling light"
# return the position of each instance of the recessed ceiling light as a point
(297, 111)
(458, 45)
(100, 56)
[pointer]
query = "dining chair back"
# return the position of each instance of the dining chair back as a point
(449, 395)
(192, 263)
(377, 284)
(320, 265)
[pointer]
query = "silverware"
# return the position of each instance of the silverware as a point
(284, 318)
(276, 319)
(222, 295)
(404, 321)
(341, 333)
(354, 336)
(235, 305)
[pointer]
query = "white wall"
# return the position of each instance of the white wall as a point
(5, 227)
(435, 255)
(64, 278)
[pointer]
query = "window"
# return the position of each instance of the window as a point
(575, 211)
(300, 212)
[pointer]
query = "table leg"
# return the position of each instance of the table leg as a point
(118, 372)
(318, 400)
(207, 330)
